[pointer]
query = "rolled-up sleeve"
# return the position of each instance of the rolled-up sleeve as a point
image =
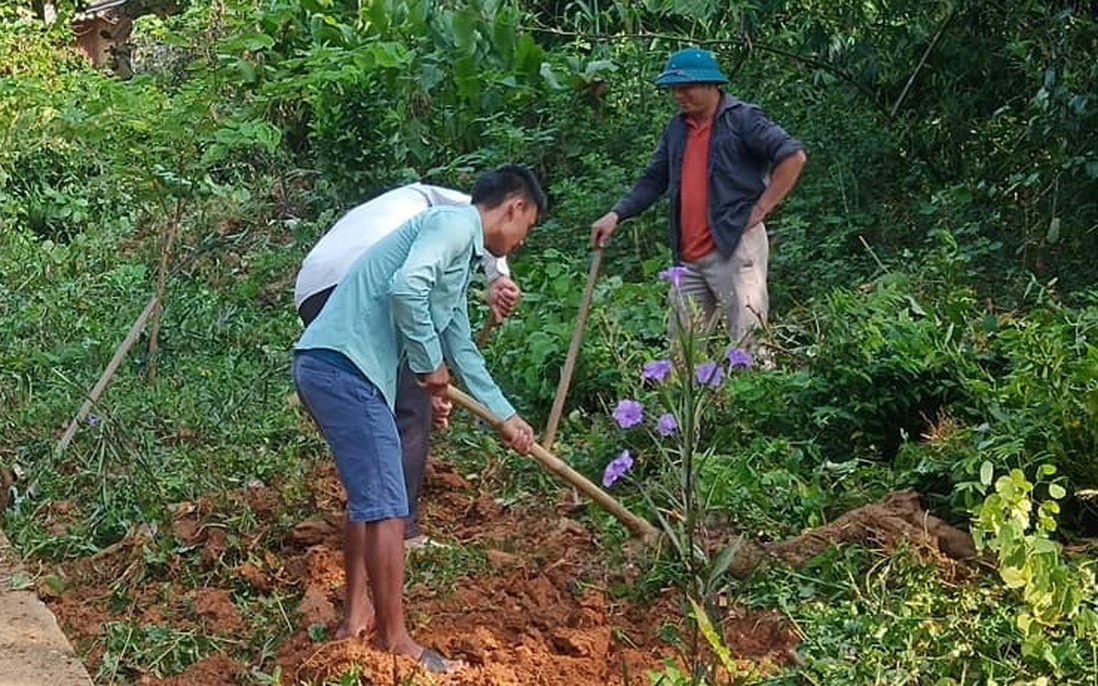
(766, 139)
(465, 358)
(436, 247)
(495, 267)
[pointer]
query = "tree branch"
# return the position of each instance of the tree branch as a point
(918, 67)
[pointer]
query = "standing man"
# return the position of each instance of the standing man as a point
(329, 261)
(726, 167)
(404, 299)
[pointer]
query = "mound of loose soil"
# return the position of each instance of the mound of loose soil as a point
(897, 518)
(536, 612)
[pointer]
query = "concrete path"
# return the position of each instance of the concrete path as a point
(33, 650)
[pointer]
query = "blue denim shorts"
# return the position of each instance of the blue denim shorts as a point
(361, 432)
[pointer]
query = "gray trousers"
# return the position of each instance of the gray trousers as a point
(413, 418)
(733, 288)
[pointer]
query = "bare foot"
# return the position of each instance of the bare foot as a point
(355, 628)
(429, 659)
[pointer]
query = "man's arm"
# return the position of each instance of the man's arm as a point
(771, 142)
(782, 179)
(468, 362)
(647, 190)
(436, 247)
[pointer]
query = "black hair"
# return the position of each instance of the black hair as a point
(495, 186)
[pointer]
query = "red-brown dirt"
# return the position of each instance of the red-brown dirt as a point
(535, 609)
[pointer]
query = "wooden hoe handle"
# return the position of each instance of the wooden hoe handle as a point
(573, 354)
(635, 524)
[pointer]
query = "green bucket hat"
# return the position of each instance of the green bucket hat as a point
(691, 65)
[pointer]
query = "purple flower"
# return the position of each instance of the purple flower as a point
(666, 424)
(617, 468)
(93, 420)
(738, 358)
(656, 370)
(709, 373)
(673, 274)
(628, 413)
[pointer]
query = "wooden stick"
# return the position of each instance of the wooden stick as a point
(108, 373)
(486, 330)
(573, 353)
(635, 524)
(167, 242)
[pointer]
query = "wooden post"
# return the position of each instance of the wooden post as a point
(573, 353)
(635, 524)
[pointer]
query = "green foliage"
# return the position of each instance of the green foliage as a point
(532, 346)
(867, 618)
(883, 365)
(1039, 390)
(932, 280)
(153, 648)
(1055, 596)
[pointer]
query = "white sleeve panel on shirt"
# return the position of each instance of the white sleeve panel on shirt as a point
(352, 235)
(443, 196)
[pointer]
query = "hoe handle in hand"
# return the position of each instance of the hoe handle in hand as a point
(486, 330)
(573, 353)
(635, 524)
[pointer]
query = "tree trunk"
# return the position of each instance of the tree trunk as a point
(167, 242)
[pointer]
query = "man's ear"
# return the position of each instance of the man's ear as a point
(511, 208)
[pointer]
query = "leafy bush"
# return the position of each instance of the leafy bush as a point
(1059, 617)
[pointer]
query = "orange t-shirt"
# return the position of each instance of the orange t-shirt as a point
(695, 237)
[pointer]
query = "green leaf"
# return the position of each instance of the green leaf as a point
(467, 76)
(21, 581)
(1044, 545)
(550, 77)
(724, 561)
(388, 54)
(256, 42)
(465, 27)
(1024, 621)
(214, 153)
(712, 637)
(987, 471)
(596, 67)
(1012, 577)
(528, 56)
(1053, 234)
(1056, 491)
(378, 16)
(503, 37)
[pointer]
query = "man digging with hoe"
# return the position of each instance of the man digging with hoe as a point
(405, 298)
(327, 263)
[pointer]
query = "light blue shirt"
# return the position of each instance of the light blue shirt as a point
(407, 297)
